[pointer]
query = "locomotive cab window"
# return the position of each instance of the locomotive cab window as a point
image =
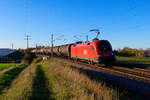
(104, 46)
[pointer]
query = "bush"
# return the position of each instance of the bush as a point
(37, 60)
(130, 52)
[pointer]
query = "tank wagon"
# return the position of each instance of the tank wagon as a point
(56, 50)
(63, 50)
(41, 51)
(98, 51)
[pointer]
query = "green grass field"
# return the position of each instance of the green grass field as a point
(133, 59)
(7, 77)
(7, 65)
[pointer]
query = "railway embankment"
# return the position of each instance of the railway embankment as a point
(129, 81)
(66, 79)
(66, 83)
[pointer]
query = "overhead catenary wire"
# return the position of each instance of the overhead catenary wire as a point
(26, 16)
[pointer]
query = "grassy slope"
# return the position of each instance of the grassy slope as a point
(68, 84)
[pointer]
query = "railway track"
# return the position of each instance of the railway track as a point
(132, 73)
(144, 70)
(136, 73)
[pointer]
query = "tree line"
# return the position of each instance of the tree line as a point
(126, 51)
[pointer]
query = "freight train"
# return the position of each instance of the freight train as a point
(97, 51)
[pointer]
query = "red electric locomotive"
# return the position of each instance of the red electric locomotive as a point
(96, 51)
(99, 51)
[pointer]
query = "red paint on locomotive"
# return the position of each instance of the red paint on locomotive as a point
(96, 51)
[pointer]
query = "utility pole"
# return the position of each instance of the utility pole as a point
(12, 46)
(52, 45)
(27, 37)
(87, 39)
(36, 46)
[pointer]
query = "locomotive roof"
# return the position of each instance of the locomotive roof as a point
(89, 43)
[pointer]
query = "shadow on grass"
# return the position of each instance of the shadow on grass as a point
(40, 90)
(9, 76)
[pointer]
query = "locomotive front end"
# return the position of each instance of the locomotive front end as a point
(105, 52)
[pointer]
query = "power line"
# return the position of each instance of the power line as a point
(77, 38)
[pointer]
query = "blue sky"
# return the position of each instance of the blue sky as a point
(122, 22)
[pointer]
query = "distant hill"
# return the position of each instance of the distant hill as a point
(9, 56)
(5, 52)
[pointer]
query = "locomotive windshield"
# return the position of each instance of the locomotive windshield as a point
(104, 46)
